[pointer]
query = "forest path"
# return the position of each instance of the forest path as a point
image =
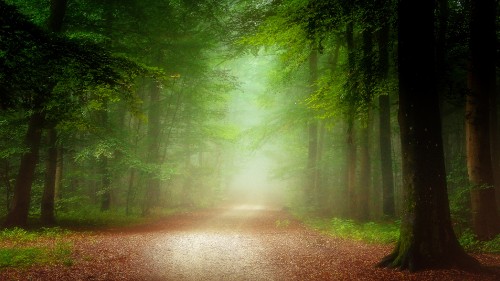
(232, 243)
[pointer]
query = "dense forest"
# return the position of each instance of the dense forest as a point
(367, 111)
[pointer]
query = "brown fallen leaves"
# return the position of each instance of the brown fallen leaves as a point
(230, 244)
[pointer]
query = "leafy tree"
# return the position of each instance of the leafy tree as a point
(29, 56)
(426, 235)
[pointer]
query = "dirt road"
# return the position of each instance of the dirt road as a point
(234, 243)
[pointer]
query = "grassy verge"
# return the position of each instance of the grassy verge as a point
(370, 232)
(388, 232)
(22, 248)
(93, 218)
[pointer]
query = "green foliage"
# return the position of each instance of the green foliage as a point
(470, 243)
(378, 232)
(22, 248)
(89, 216)
(19, 235)
(21, 257)
(371, 232)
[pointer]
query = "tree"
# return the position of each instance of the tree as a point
(55, 23)
(385, 114)
(312, 159)
(33, 64)
(481, 84)
(426, 235)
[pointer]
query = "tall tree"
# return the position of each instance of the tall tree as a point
(351, 87)
(54, 24)
(481, 84)
(153, 150)
(426, 235)
(18, 214)
(312, 162)
(385, 114)
(365, 177)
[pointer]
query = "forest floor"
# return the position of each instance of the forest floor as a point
(233, 243)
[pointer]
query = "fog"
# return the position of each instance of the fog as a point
(254, 159)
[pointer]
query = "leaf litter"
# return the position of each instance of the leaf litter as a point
(230, 244)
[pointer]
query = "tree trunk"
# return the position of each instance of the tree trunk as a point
(18, 214)
(365, 176)
(55, 23)
(47, 204)
(312, 161)
(351, 169)
(385, 126)
(104, 170)
(8, 187)
(495, 144)
(351, 145)
(481, 84)
(426, 237)
(130, 191)
(154, 130)
(59, 172)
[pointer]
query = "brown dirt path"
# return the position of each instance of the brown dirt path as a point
(234, 243)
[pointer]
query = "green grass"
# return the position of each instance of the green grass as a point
(388, 232)
(369, 232)
(469, 241)
(94, 218)
(22, 248)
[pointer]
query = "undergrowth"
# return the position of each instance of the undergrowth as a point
(469, 241)
(369, 232)
(22, 248)
(93, 217)
(385, 233)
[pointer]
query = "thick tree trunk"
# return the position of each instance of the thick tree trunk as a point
(481, 84)
(426, 237)
(47, 205)
(18, 214)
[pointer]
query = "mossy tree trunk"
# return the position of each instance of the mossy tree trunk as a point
(426, 237)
